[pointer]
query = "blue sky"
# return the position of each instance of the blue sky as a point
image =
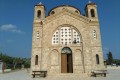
(16, 20)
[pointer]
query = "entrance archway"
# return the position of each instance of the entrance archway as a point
(66, 60)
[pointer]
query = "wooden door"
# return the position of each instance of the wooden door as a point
(63, 63)
(69, 63)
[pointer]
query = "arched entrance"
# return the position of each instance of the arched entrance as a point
(66, 60)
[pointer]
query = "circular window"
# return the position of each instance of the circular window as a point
(76, 11)
(52, 12)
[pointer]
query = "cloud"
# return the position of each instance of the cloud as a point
(10, 28)
(105, 49)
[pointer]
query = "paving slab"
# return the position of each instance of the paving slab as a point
(113, 74)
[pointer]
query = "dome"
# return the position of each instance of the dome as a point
(62, 7)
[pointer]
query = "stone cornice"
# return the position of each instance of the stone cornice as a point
(94, 23)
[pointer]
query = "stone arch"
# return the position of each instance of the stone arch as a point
(54, 57)
(66, 50)
(66, 60)
(68, 26)
(57, 32)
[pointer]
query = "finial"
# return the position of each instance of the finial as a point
(90, 1)
(40, 3)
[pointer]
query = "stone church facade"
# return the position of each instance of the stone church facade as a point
(66, 41)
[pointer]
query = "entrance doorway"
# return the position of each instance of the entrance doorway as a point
(66, 60)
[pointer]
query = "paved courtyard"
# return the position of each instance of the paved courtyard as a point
(113, 74)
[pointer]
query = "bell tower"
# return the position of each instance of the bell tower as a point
(39, 16)
(39, 13)
(91, 11)
(94, 28)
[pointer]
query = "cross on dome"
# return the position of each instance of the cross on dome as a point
(90, 1)
(40, 3)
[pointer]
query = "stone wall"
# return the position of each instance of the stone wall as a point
(83, 54)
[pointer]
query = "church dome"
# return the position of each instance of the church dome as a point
(58, 9)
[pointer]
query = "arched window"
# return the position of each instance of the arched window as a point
(66, 35)
(38, 13)
(66, 50)
(37, 35)
(97, 59)
(76, 11)
(36, 60)
(92, 13)
(52, 12)
(94, 34)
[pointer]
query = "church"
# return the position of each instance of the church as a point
(66, 41)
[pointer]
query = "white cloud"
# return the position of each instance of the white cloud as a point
(105, 49)
(10, 28)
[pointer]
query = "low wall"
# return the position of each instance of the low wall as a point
(6, 70)
(113, 67)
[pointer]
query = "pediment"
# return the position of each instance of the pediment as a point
(64, 15)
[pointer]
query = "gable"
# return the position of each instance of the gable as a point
(66, 13)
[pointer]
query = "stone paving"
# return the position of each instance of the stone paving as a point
(113, 74)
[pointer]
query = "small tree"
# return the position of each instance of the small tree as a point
(110, 58)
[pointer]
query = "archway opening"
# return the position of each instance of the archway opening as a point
(39, 14)
(66, 60)
(92, 13)
(36, 60)
(97, 59)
